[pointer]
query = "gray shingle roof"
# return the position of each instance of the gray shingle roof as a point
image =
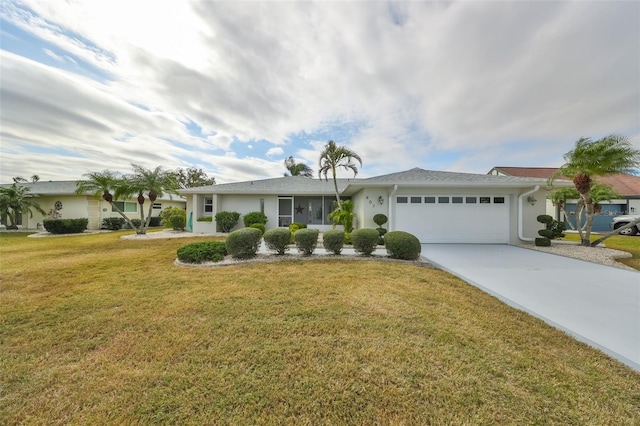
(421, 177)
(289, 185)
(63, 187)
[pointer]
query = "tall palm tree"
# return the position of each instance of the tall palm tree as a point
(100, 184)
(603, 157)
(297, 169)
(155, 183)
(333, 157)
(16, 200)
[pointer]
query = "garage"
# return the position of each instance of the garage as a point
(444, 218)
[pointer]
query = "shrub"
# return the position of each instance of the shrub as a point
(207, 251)
(157, 220)
(343, 216)
(402, 245)
(205, 219)
(552, 229)
(259, 226)
(277, 239)
(243, 243)
(65, 226)
(112, 223)
(543, 242)
(380, 219)
(306, 240)
(333, 240)
(294, 227)
(226, 221)
(174, 217)
(254, 217)
(365, 240)
(347, 238)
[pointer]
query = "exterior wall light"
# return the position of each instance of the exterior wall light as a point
(532, 200)
(381, 200)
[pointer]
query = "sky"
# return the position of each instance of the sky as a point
(235, 87)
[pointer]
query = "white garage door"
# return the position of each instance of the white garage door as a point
(454, 218)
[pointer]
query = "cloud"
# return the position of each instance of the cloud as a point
(274, 152)
(450, 85)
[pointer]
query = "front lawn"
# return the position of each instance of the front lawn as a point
(98, 330)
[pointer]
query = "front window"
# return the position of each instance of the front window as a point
(208, 205)
(125, 206)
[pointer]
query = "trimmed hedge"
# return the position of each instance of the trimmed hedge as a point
(333, 240)
(402, 245)
(259, 226)
(277, 239)
(65, 226)
(293, 228)
(254, 217)
(364, 240)
(306, 240)
(380, 219)
(207, 251)
(226, 221)
(243, 243)
(112, 223)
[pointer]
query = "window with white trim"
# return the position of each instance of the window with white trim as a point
(208, 205)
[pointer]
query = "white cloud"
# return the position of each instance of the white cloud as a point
(274, 152)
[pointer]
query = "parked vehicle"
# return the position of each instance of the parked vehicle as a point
(620, 221)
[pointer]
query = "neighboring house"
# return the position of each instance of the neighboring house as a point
(628, 186)
(62, 194)
(437, 207)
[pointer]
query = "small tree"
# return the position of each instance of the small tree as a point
(333, 157)
(16, 200)
(604, 157)
(343, 216)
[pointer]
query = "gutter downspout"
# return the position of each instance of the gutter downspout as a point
(520, 210)
(392, 208)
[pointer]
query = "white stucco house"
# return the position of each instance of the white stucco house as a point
(435, 206)
(62, 194)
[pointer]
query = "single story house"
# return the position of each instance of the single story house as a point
(627, 185)
(435, 206)
(61, 195)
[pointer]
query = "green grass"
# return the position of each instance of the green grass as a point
(630, 244)
(98, 330)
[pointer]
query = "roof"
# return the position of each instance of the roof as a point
(623, 183)
(297, 185)
(59, 187)
(421, 177)
(289, 185)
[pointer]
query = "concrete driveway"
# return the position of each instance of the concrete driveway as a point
(598, 305)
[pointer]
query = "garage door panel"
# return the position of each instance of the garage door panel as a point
(455, 223)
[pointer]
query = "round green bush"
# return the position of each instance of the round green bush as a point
(294, 227)
(177, 222)
(207, 251)
(112, 223)
(259, 226)
(254, 217)
(544, 218)
(226, 221)
(333, 240)
(364, 240)
(380, 219)
(306, 240)
(543, 242)
(402, 245)
(243, 243)
(277, 239)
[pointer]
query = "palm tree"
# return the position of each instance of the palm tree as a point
(100, 184)
(16, 200)
(297, 169)
(603, 157)
(599, 193)
(155, 183)
(333, 157)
